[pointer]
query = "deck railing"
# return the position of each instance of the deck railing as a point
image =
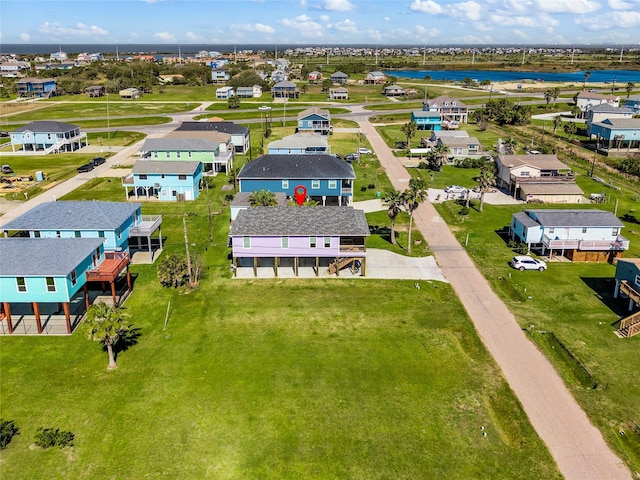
(146, 226)
(113, 264)
(620, 243)
(544, 179)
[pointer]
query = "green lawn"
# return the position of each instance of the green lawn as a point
(269, 379)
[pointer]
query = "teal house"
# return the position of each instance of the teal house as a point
(169, 181)
(115, 223)
(427, 120)
(43, 277)
(617, 135)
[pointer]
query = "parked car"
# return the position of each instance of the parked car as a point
(491, 189)
(455, 189)
(87, 167)
(98, 161)
(525, 262)
(364, 151)
(4, 133)
(7, 169)
(352, 157)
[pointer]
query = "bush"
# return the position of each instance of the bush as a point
(48, 437)
(7, 430)
(423, 165)
(464, 210)
(469, 163)
(173, 271)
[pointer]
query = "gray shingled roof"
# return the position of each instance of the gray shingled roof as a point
(298, 140)
(339, 75)
(426, 114)
(304, 166)
(314, 111)
(226, 127)
(543, 162)
(292, 221)
(74, 215)
(25, 257)
(608, 108)
(459, 141)
(47, 126)
(525, 220)
(576, 218)
(179, 144)
(440, 101)
(621, 123)
(169, 167)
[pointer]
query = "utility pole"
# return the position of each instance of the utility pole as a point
(209, 216)
(186, 246)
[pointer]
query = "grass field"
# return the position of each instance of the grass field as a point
(269, 379)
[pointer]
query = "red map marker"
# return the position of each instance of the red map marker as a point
(300, 194)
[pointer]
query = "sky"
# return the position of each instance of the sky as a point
(329, 22)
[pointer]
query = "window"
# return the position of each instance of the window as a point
(333, 184)
(285, 242)
(327, 242)
(51, 284)
(155, 154)
(178, 154)
(182, 177)
(637, 280)
(189, 154)
(525, 173)
(77, 234)
(167, 155)
(22, 284)
(584, 229)
(74, 279)
(36, 234)
(101, 234)
(315, 184)
(313, 242)
(57, 233)
(142, 176)
(285, 184)
(246, 242)
(118, 233)
(615, 231)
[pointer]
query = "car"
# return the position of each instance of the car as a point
(364, 151)
(525, 262)
(4, 133)
(98, 161)
(7, 169)
(87, 167)
(491, 189)
(264, 108)
(455, 189)
(352, 157)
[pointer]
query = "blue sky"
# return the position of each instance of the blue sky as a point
(271, 22)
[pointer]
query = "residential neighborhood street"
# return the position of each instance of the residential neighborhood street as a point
(577, 446)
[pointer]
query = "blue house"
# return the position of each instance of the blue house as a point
(164, 180)
(427, 120)
(299, 144)
(113, 222)
(579, 235)
(47, 136)
(284, 89)
(36, 87)
(314, 120)
(617, 135)
(633, 102)
(326, 179)
(41, 277)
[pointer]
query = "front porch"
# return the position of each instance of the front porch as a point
(146, 228)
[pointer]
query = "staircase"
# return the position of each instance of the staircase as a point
(341, 263)
(629, 326)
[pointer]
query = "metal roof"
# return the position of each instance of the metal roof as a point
(165, 167)
(74, 215)
(44, 257)
(575, 218)
(303, 166)
(294, 221)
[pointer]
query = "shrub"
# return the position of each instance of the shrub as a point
(48, 437)
(423, 165)
(228, 197)
(7, 430)
(173, 271)
(464, 210)
(469, 163)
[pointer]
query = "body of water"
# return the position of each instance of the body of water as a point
(597, 76)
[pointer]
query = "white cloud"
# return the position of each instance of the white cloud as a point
(626, 19)
(305, 25)
(617, 19)
(78, 30)
(324, 18)
(254, 27)
(346, 26)
(165, 36)
(338, 5)
(470, 10)
(620, 5)
(505, 20)
(387, 19)
(521, 35)
(568, 6)
(425, 6)
(432, 33)
(192, 37)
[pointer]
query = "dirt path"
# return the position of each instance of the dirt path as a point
(577, 446)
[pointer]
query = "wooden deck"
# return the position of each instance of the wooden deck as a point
(110, 268)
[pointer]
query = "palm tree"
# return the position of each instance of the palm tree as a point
(557, 121)
(587, 74)
(555, 93)
(411, 199)
(393, 199)
(409, 129)
(234, 102)
(547, 96)
(570, 129)
(106, 324)
(441, 152)
(486, 179)
(629, 88)
(510, 145)
(263, 198)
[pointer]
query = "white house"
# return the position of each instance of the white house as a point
(587, 100)
(224, 93)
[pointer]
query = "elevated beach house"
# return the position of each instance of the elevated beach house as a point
(314, 120)
(294, 237)
(47, 136)
(171, 149)
(167, 181)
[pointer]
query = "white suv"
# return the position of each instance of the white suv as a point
(364, 151)
(525, 262)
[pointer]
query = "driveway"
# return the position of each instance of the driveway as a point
(576, 445)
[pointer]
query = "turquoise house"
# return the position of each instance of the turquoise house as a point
(427, 120)
(41, 271)
(616, 135)
(113, 222)
(169, 181)
(48, 136)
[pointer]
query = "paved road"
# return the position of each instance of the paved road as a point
(577, 446)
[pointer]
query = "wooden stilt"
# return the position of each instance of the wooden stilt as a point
(255, 266)
(113, 293)
(337, 267)
(317, 266)
(275, 265)
(7, 316)
(36, 312)
(129, 285)
(364, 266)
(86, 296)
(67, 316)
